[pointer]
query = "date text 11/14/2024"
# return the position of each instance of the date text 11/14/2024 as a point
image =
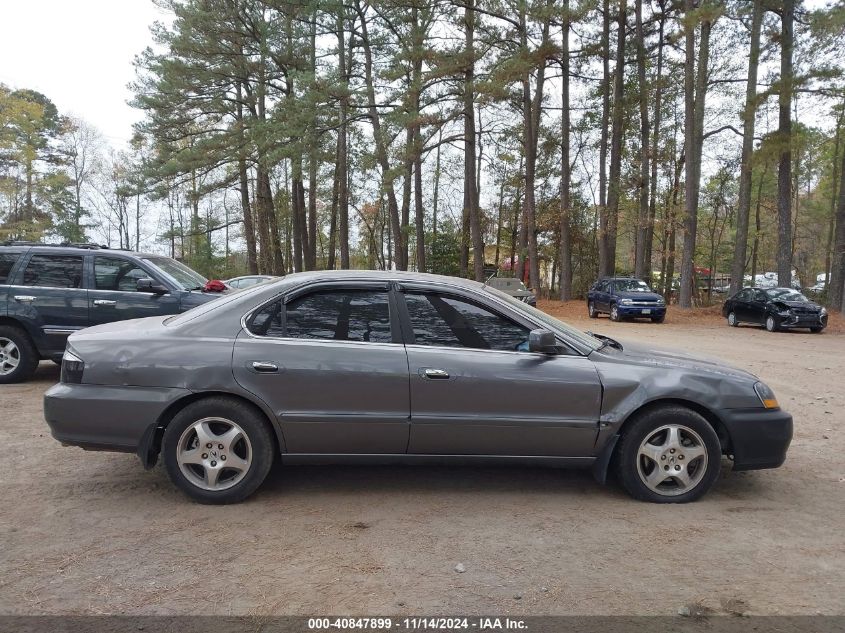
(417, 624)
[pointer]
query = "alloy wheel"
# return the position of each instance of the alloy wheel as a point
(770, 324)
(672, 460)
(10, 356)
(732, 319)
(614, 313)
(214, 453)
(591, 309)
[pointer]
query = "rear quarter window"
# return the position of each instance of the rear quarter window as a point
(7, 262)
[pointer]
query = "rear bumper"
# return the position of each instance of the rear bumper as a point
(111, 418)
(759, 437)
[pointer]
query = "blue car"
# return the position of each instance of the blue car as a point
(625, 298)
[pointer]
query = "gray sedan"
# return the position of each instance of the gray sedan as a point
(361, 366)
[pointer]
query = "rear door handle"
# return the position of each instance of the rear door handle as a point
(263, 367)
(104, 302)
(436, 374)
(24, 298)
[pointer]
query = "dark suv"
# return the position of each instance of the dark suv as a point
(625, 297)
(47, 292)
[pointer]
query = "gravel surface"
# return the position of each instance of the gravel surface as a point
(93, 533)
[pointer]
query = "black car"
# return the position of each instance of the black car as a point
(47, 292)
(775, 308)
(625, 298)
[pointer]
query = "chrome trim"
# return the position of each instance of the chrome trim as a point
(55, 330)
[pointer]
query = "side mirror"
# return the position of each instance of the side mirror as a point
(150, 285)
(542, 341)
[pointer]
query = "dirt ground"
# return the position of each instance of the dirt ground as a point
(93, 533)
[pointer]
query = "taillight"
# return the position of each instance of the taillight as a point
(72, 368)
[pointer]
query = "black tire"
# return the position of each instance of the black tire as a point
(614, 313)
(732, 320)
(816, 330)
(591, 310)
(256, 429)
(644, 425)
(658, 319)
(23, 351)
(771, 323)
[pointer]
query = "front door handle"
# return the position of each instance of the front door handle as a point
(104, 302)
(24, 298)
(436, 374)
(263, 367)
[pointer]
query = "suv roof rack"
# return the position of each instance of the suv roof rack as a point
(61, 245)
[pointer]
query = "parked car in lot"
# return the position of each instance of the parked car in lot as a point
(369, 366)
(774, 308)
(625, 298)
(48, 292)
(247, 280)
(513, 287)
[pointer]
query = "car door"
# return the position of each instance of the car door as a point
(48, 293)
(476, 390)
(113, 294)
(601, 296)
(757, 307)
(331, 364)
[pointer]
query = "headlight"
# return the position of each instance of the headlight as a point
(72, 368)
(766, 395)
(823, 311)
(661, 302)
(626, 302)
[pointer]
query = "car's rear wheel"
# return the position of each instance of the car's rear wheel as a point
(591, 310)
(771, 324)
(218, 450)
(668, 455)
(732, 320)
(614, 312)
(18, 356)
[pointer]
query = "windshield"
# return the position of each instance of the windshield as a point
(555, 324)
(183, 276)
(631, 285)
(785, 294)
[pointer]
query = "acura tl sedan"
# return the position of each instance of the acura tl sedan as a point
(386, 367)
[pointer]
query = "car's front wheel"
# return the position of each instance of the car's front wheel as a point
(591, 310)
(668, 455)
(771, 324)
(658, 319)
(614, 312)
(18, 356)
(732, 320)
(816, 330)
(218, 450)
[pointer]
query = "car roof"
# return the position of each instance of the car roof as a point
(64, 249)
(398, 276)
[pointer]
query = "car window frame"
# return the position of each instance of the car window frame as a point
(92, 273)
(292, 294)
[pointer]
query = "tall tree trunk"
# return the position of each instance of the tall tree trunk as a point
(617, 131)
(604, 259)
(640, 263)
(836, 289)
(342, 151)
(836, 179)
(565, 282)
(749, 114)
(297, 213)
(658, 105)
(784, 249)
(471, 211)
(380, 144)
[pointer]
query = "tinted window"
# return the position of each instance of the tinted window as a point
(268, 321)
(188, 279)
(449, 322)
(7, 260)
(112, 273)
(340, 316)
(53, 271)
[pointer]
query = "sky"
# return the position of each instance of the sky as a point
(79, 54)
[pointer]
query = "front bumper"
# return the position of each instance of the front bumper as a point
(101, 417)
(641, 311)
(759, 437)
(803, 320)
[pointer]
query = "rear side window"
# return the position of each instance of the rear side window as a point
(348, 315)
(448, 322)
(114, 273)
(7, 261)
(53, 271)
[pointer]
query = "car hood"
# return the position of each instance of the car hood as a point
(797, 304)
(643, 354)
(640, 296)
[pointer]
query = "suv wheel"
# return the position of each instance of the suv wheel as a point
(18, 356)
(668, 455)
(614, 312)
(591, 310)
(218, 450)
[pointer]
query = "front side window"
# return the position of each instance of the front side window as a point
(113, 273)
(7, 261)
(443, 321)
(187, 278)
(347, 315)
(53, 271)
